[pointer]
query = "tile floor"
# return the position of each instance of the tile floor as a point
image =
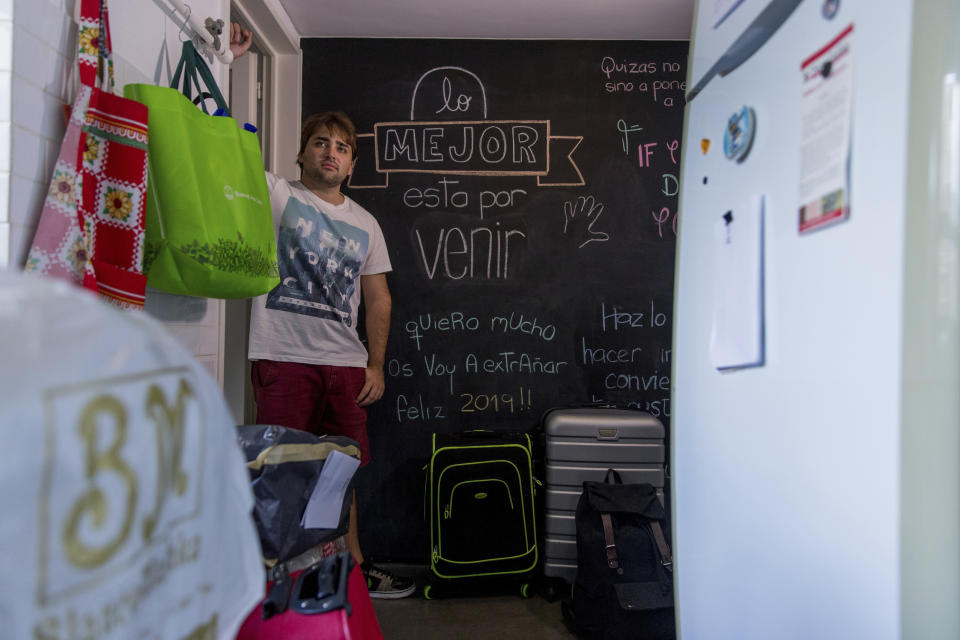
(499, 616)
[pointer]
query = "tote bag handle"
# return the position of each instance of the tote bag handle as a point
(194, 69)
(94, 47)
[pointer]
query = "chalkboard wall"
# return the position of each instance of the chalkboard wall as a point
(527, 191)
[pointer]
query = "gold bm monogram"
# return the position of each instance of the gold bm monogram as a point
(169, 423)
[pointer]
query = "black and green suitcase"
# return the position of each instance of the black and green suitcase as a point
(480, 513)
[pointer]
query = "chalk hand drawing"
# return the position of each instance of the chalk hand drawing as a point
(579, 218)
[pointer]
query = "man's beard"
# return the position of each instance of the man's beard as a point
(324, 179)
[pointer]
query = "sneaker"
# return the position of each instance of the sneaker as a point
(383, 584)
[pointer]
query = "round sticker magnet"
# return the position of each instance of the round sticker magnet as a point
(738, 136)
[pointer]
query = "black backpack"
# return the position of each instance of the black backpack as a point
(624, 583)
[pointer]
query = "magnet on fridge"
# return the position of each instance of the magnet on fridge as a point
(830, 8)
(705, 145)
(739, 134)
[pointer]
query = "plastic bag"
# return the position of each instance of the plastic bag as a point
(284, 467)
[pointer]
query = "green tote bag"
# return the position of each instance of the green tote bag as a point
(209, 228)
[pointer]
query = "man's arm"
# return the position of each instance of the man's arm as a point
(240, 40)
(377, 304)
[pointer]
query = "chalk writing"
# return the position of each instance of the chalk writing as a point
(617, 87)
(617, 319)
(462, 100)
(671, 186)
(625, 76)
(481, 252)
(626, 131)
(579, 218)
(621, 387)
(512, 362)
(434, 197)
(663, 217)
(609, 66)
(659, 408)
(517, 323)
(490, 199)
(399, 369)
(617, 362)
(608, 355)
(673, 145)
(434, 368)
(633, 382)
(454, 321)
(486, 147)
(647, 153)
(495, 402)
(668, 85)
(447, 196)
(417, 409)
(644, 152)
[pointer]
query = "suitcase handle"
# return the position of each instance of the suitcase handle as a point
(615, 475)
(323, 587)
(483, 433)
(608, 433)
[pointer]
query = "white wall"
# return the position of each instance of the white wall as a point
(43, 46)
(794, 494)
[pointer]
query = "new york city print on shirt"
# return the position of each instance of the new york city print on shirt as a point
(319, 260)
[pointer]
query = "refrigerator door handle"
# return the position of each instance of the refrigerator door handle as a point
(752, 38)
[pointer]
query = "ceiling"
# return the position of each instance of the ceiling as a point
(526, 19)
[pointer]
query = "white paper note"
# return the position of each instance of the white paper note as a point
(736, 339)
(326, 501)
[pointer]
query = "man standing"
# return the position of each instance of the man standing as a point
(310, 369)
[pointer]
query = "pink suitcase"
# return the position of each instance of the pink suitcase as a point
(327, 601)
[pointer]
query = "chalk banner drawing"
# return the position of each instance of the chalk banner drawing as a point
(475, 146)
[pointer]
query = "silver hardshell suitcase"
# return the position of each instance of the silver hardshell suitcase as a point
(581, 444)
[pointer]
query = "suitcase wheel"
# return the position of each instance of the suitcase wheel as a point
(426, 592)
(525, 590)
(550, 593)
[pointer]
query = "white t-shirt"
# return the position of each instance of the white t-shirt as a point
(322, 250)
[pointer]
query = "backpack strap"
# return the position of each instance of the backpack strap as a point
(610, 542)
(665, 558)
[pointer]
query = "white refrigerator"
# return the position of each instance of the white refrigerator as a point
(816, 430)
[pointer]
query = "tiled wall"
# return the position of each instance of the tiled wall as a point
(42, 37)
(6, 68)
(37, 40)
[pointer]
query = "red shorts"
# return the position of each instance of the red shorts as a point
(321, 399)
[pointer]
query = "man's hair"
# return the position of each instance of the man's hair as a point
(336, 122)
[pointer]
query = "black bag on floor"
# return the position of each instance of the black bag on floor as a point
(624, 583)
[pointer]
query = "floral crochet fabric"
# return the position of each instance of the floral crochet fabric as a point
(92, 225)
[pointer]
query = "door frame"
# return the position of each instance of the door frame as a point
(279, 44)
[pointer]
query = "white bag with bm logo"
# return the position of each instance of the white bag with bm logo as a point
(124, 498)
